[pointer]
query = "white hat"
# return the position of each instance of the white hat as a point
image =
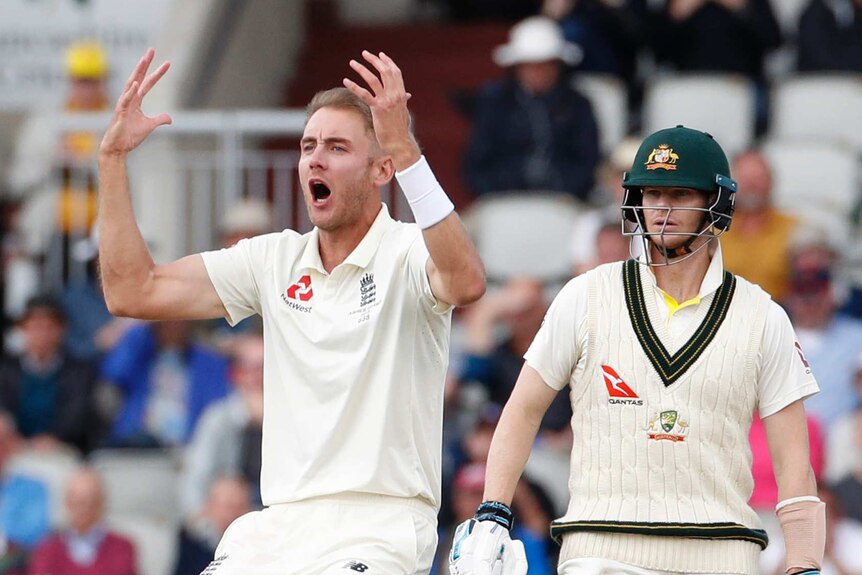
(247, 215)
(623, 154)
(536, 39)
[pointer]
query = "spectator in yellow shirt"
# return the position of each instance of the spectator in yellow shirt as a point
(757, 246)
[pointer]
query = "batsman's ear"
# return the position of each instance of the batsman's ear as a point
(382, 170)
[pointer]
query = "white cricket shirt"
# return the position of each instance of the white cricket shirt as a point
(662, 401)
(355, 361)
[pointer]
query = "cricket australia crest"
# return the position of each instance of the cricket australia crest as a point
(662, 157)
(667, 425)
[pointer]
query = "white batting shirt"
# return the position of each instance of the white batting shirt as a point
(355, 361)
(662, 401)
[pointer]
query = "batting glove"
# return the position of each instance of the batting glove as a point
(514, 558)
(482, 545)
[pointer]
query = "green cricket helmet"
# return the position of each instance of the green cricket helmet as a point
(680, 157)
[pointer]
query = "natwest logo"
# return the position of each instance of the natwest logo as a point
(618, 390)
(301, 290)
(297, 293)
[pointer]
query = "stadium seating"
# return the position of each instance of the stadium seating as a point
(819, 106)
(139, 482)
(813, 174)
(155, 542)
(524, 234)
(607, 95)
(722, 105)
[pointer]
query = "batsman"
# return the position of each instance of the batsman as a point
(666, 357)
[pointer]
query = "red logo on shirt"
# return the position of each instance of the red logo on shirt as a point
(615, 384)
(802, 356)
(617, 388)
(301, 290)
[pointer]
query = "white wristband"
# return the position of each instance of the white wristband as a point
(786, 502)
(426, 197)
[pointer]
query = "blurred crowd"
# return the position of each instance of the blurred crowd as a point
(79, 388)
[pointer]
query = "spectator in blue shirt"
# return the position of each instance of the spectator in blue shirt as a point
(166, 380)
(24, 506)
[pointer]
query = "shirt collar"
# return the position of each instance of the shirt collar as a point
(713, 278)
(361, 254)
(84, 546)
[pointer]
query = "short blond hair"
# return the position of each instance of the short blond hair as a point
(340, 99)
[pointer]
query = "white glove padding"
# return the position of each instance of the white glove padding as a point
(484, 548)
(514, 558)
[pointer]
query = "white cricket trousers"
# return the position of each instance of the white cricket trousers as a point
(347, 534)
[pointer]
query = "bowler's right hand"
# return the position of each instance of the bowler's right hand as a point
(130, 126)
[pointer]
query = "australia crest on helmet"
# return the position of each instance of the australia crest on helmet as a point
(662, 157)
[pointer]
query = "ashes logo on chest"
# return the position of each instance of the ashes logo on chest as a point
(367, 298)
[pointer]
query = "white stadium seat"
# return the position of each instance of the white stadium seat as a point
(155, 542)
(819, 106)
(607, 94)
(524, 234)
(813, 176)
(139, 482)
(720, 104)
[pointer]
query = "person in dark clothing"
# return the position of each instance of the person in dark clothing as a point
(719, 36)
(830, 36)
(50, 394)
(716, 35)
(227, 499)
(519, 307)
(610, 32)
(497, 10)
(532, 131)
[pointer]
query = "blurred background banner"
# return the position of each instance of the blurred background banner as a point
(33, 32)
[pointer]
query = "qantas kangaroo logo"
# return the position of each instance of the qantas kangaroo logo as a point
(618, 390)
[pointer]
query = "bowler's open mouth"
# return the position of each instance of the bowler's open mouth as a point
(319, 190)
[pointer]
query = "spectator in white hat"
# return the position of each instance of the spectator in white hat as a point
(245, 218)
(532, 130)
